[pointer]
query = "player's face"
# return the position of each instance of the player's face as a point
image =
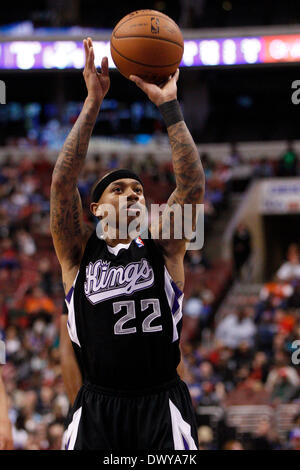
(125, 196)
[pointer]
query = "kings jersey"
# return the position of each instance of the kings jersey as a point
(125, 315)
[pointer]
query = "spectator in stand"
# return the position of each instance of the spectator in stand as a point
(45, 401)
(131, 163)
(283, 381)
(217, 178)
(113, 162)
(42, 167)
(206, 372)
(25, 243)
(246, 390)
(290, 269)
(293, 435)
(46, 276)
(169, 173)
(234, 158)
(225, 364)
(196, 260)
(194, 305)
(243, 354)
(86, 180)
(264, 436)
(263, 169)
(284, 320)
(233, 445)
(37, 303)
(54, 435)
(9, 255)
(18, 201)
(288, 162)
(205, 438)
(241, 247)
(294, 299)
(5, 227)
(259, 367)
(236, 328)
(294, 439)
(199, 303)
(20, 435)
(12, 341)
(197, 312)
(211, 394)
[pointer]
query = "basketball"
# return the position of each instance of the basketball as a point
(147, 43)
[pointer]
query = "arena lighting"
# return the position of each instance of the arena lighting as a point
(46, 55)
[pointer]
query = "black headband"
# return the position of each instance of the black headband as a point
(113, 176)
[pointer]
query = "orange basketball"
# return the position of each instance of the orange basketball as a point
(147, 43)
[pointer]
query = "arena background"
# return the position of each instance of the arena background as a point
(242, 292)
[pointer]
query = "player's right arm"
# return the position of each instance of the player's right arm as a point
(69, 367)
(66, 222)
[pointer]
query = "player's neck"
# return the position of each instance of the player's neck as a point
(117, 241)
(114, 236)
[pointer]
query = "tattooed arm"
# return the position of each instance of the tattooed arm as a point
(190, 181)
(67, 228)
(69, 366)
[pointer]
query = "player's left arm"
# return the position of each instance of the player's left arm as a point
(70, 370)
(181, 368)
(188, 170)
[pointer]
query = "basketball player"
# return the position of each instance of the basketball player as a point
(124, 295)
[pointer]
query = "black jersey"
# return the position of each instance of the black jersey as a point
(75, 346)
(125, 315)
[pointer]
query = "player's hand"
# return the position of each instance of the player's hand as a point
(158, 94)
(6, 441)
(97, 83)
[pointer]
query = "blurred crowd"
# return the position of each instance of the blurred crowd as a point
(249, 356)
(242, 358)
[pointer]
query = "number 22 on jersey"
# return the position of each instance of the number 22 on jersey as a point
(129, 305)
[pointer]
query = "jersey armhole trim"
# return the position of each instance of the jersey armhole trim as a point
(174, 285)
(71, 290)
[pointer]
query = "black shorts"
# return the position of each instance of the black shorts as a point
(158, 419)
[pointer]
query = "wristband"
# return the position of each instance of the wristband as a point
(171, 112)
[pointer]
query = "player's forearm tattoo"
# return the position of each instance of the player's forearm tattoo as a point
(179, 284)
(66, 221)
(66, 224)
(71, 158)
(187, 166)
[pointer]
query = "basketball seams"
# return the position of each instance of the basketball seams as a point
(141, 63)
(160, 15)
(148, 37)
